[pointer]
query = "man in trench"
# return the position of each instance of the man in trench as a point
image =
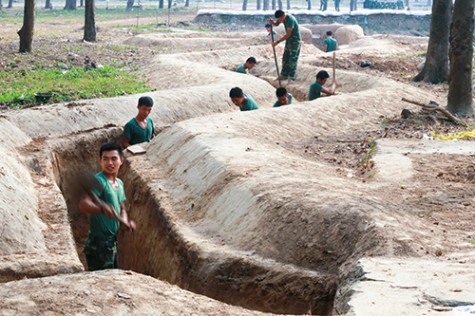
(293, 42)
(106, 211)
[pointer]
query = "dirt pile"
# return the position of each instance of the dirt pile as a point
(109, 293)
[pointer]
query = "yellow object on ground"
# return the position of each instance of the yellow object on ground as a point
(466, 135)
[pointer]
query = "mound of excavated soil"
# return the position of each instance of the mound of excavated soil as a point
(110, 292)
(260, 209)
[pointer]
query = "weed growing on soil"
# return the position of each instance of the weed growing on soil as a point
(365, 164)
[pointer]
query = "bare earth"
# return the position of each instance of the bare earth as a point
(282, 210)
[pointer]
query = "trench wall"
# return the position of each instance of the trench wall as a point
(372, 22)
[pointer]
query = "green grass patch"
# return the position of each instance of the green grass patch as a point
(19, 87)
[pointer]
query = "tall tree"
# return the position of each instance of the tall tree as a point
(436, 66)
(279, 4)
(461, 54)
(48, 4)
(309, 4)
(187, 3)
(288, 4)
(70, 5)
(26, 31)
(266, 5)
(160, 4)
(258, 4)
(81, 3)
(244, 5)
(90, 21)
(10, 4)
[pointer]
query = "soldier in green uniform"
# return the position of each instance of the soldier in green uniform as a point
(283, 97)
(244, 101)
(293, 42)
(317, 87)
(139, 129)
(247, 66)
(101, 245)
(329, 43)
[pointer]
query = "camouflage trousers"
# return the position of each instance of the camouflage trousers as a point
(290, 59)
(101, 253)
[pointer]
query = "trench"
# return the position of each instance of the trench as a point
(160, 248)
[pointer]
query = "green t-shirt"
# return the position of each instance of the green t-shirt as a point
(331, 44)
(99, 224)
(291, 23)
(241, 69)
(315, 91)
(136, 134)
(249, 103)
(277, 104)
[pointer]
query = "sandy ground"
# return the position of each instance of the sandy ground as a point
(273, 210)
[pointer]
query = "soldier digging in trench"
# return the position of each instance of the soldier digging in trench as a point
(293, 43)
(106, 211)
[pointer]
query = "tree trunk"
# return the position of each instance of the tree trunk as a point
(187, 3)
(1, 5)
(10, 4)
(273, 5)
(309, 4)
(70, 5)
(160, 4)
(265, 5)
(279, 4)
(461, 54)
(26, 31)
(258, 4)
(288, 4)
(353, 5)
(81, 3)
(48, 4)
(436, 66)
(130, 5)
(244, 5)
(90, 21)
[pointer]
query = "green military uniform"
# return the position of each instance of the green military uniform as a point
(249, 103)
(101, 245)
(292, 48)
(331, 44)
(241, 69)
(136, 134)
(315, 91)
(277, 104)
